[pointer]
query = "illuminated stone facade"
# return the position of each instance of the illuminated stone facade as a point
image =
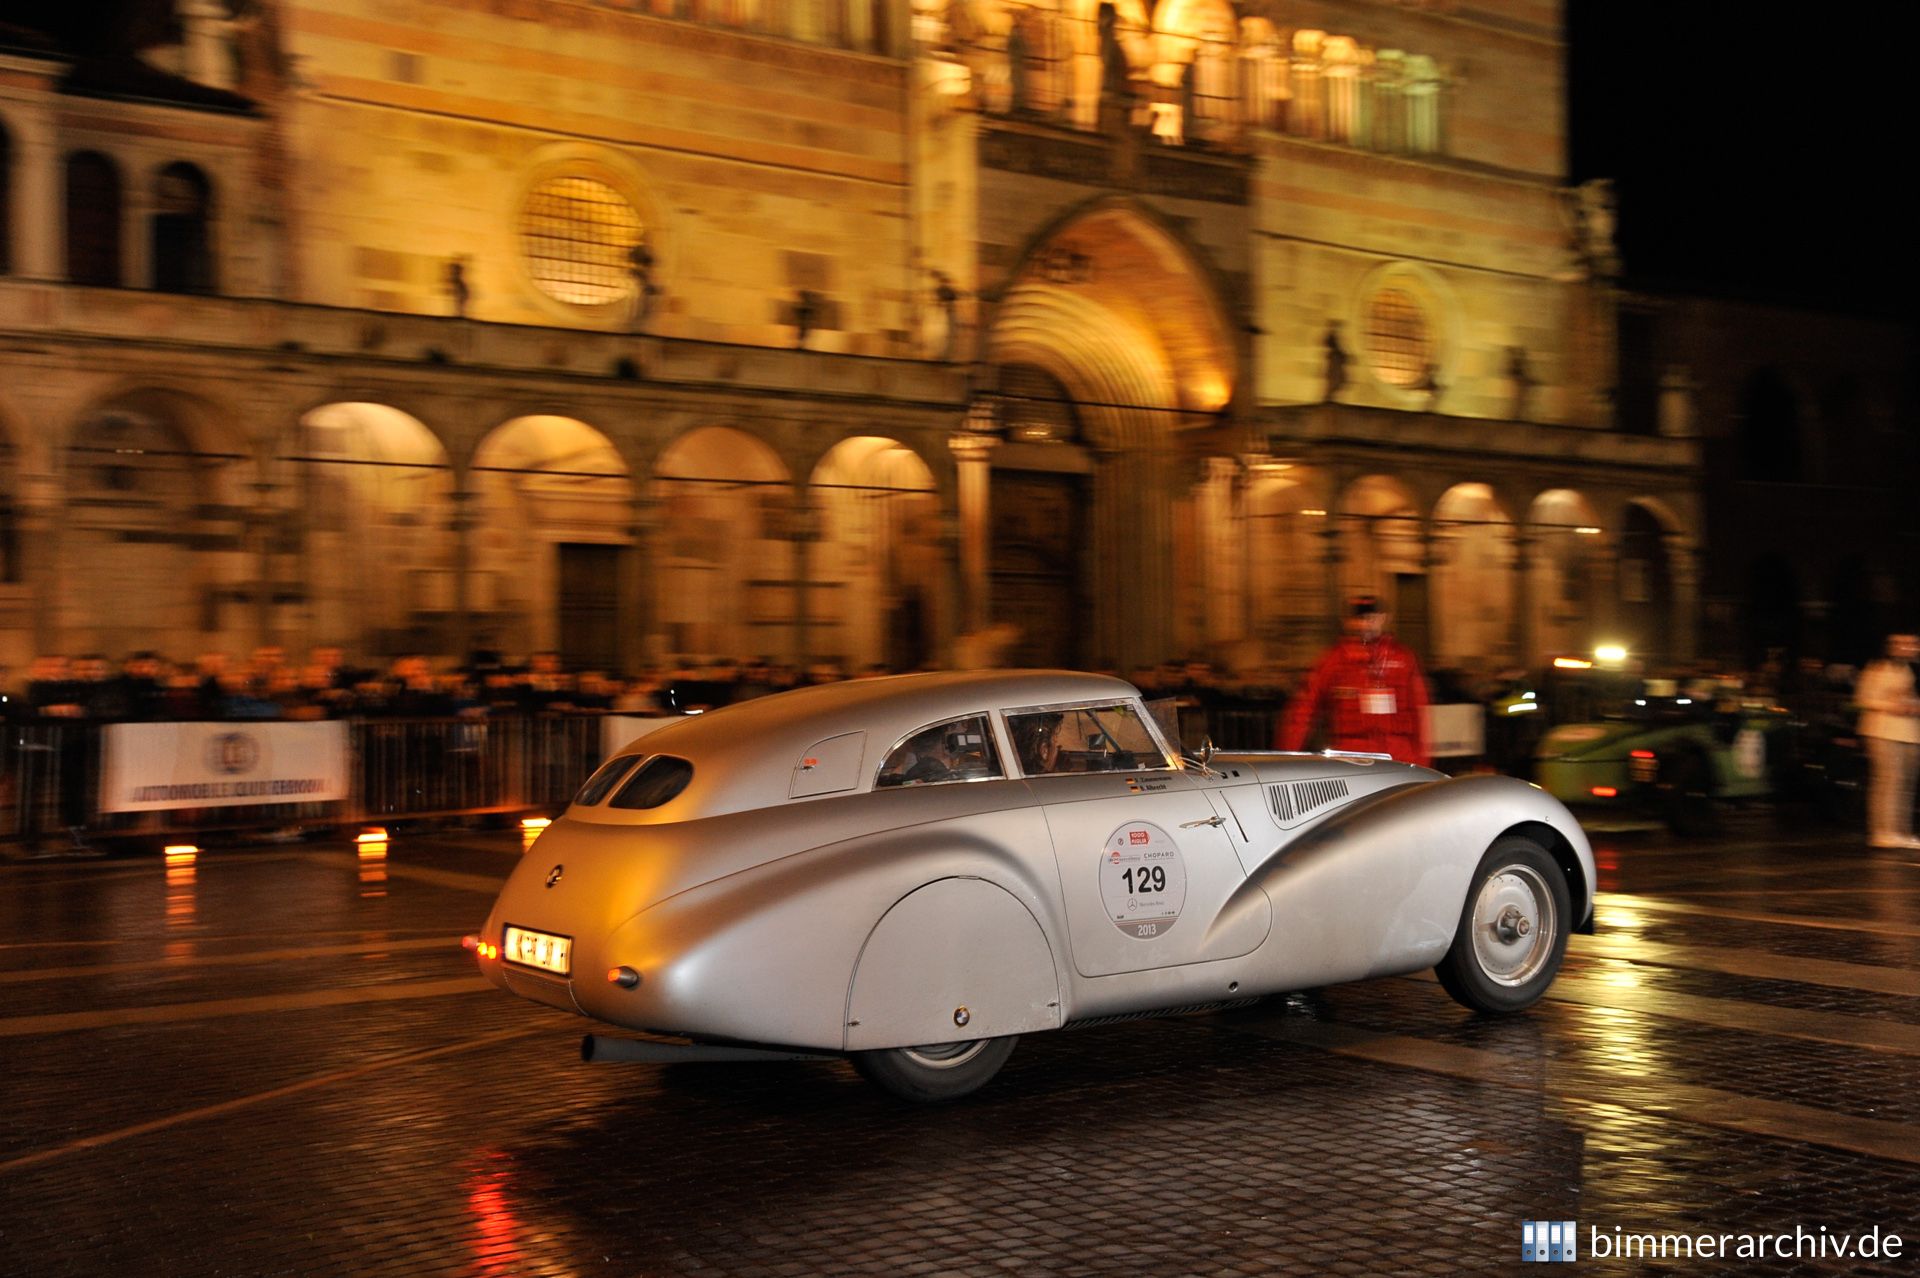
(835, 329)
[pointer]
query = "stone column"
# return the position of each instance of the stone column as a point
(1604, 576)
(262, 522)
(39, 542)
(803, 530)
(1520, 624)
(636, 627)
(1332, 555)
(1683, 572)
(460, 521)
(973, 452)
(36, 195)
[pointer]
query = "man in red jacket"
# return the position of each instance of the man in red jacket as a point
(1372, 692)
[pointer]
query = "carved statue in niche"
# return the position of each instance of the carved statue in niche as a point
(459, 292)
(1336, 362)
(1019, 56)
(947, 298)
(640, 268)
(1116, 76)
(1520, 378)
(1592, 207)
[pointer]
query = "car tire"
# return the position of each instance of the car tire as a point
(1688, 796)
(938, 1072)
(1513, 929)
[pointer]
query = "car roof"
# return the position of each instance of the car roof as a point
(745, 755)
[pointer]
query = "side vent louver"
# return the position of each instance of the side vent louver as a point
(1308, 795)
(1280, 799)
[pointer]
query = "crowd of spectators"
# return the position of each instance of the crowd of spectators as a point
(149, 687)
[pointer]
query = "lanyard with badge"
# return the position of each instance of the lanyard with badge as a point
(1378, 698)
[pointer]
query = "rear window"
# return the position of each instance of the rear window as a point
(605, 779)
(658, 780)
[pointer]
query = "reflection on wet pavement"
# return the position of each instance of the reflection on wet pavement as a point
(279, 1061)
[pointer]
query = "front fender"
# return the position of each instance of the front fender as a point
(1378, 887)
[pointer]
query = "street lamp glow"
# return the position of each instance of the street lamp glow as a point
(1612, 653)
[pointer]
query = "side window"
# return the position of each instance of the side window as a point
(658, 780)
(604, 780)
(959, 750)
(1112, 738)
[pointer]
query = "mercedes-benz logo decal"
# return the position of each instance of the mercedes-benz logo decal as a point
(553, 875)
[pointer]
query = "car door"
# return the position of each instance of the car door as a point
(1146, 870)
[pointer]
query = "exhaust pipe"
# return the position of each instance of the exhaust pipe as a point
(600, 1047)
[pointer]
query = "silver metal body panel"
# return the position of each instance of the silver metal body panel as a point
(869, 918)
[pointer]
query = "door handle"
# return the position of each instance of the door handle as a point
(1212, 820)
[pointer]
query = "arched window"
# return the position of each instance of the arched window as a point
(1399, 338)
(1342, 61)
(93, 220)
(1423, 105)
(1769, 438)
(6, 202)
(182, 210)
(1309, 117)
(1389, 101)
(1263, 76)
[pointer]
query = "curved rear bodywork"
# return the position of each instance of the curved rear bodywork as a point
(835, 915)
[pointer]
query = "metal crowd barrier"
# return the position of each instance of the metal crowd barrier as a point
(400, 769)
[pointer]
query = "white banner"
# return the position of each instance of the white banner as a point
(1457, 731)
(151, 766)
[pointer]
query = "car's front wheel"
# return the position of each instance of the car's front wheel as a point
(1513, 929)
(938, 1071)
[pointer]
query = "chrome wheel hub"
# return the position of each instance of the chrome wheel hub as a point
(1513, 925)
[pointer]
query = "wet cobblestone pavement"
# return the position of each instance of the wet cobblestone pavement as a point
(276, 1060)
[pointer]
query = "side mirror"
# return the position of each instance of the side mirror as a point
(1206, 753)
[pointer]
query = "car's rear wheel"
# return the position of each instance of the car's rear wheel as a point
(937, 1071)
(1513, 929)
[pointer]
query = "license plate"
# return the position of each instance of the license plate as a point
(543, 950)
(1644, 771)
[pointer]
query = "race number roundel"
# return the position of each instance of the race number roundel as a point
(1143, 880)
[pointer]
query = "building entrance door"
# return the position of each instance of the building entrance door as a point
(589, 606)
(1038, 557)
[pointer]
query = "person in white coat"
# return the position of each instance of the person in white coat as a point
(1890, 722)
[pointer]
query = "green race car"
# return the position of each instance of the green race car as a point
(1662, 753)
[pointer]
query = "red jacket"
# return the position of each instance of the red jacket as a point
(1374, 699)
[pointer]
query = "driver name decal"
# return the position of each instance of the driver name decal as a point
(1143, 880)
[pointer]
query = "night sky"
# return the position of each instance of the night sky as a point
(1758, 149)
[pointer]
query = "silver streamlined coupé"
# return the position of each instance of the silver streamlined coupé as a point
(914, 871)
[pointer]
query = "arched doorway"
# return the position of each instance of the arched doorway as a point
(1770, 429)
(93, 220)
(1112, 330)
(1646, 616)
(1287, 518)
(724, 565)
(1381, 554)
(1564, 584)
(376, 498)
(1473, 587)
(155, 545)
(1772, 609)
(181, 239)
(553, 533)
(874, 593)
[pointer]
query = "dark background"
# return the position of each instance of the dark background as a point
(1759, 150)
